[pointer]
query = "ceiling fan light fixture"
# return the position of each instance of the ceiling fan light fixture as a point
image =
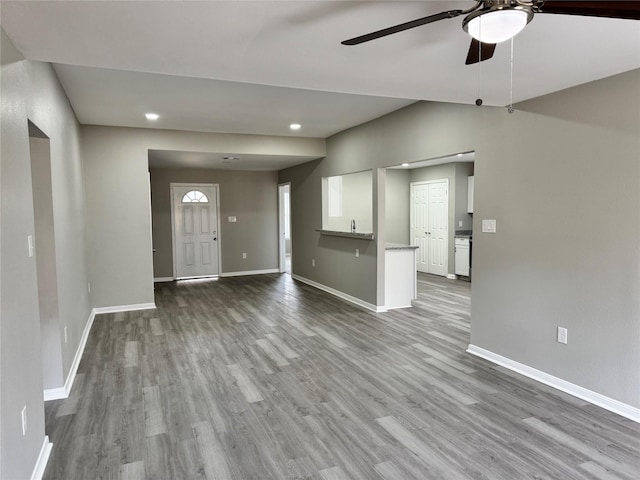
(497, 25)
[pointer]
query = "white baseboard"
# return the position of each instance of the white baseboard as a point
(451, 276)
(163, 279)
(55, 393)
(43, 458)
(125, 308)
(590, 396)
(339, 294)
(63, 392)
(249, 272)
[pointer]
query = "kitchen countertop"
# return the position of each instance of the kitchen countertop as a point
(358, 235)
(463, 234)
(399, 246)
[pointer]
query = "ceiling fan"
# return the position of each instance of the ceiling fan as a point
(490, 22)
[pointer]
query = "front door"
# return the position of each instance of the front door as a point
(429, 225)
(195, 230)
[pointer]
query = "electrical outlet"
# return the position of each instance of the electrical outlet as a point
(244, 255)
(65, 334)
(459, 223)
(313, 262)
(23, 414)
(357, 252)
(562, 335)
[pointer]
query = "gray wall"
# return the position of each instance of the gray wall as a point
(336, 265)
(397, 204)
(252, 197)
(566, 251)
(118, 199)
(30, 90)
(566, 203)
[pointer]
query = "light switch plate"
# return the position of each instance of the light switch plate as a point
(488, 226)
(30, 245)
(562, 335)
(232, 219)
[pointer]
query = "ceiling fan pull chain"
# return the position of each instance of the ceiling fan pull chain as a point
(511, 109)
(478, 98)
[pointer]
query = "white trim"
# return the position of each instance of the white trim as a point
(342, 295)
(163, 279)
(615, 406)
(197, 277)
(55, 393)
(63, 392)
(451, 276)
(125, 308)
(249, 272)
(43, 458)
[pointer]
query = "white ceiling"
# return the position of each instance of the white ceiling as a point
(117, 97)
(256, 66)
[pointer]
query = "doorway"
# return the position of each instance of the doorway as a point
(429, 225)
(195, 224)
(43, 246)
(284, 228)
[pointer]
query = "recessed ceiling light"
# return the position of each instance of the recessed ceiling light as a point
(231, 158)
(405, 164)
(459, 154)
(295, 126)
(152, 116)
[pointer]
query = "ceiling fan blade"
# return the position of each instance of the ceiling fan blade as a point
(479, 52)
(629, 9)
(401, 27)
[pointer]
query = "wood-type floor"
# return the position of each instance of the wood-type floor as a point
(263, 378)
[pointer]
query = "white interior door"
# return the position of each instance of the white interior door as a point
(429, 225)
(195, 230)
(438, 199)
(420, 224)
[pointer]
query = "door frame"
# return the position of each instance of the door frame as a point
(173, 223)
(411, 209)
(282, 249)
